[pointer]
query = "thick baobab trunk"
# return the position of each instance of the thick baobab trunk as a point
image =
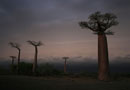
(18, 67)
(35, 61)
(65, 66)
(103, 61)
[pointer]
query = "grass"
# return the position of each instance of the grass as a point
(8, 82)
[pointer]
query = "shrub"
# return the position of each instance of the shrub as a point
(47, 70)
(26, 68)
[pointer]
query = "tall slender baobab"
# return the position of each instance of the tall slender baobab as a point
(99, 24)
(12, 62)
(17, 46)
(35, 44)
(65, 58)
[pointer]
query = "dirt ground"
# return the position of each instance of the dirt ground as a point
(61, 83)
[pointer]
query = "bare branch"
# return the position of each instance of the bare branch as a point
(88, 25)
(14, 45)
(34, 43)
(109, 32)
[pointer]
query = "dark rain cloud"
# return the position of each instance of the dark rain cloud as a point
(23, 13)
(17, 17)
(117, 4)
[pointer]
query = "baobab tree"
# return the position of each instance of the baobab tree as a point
(12, 58)
(12, 62)
(100, 23)
(17, 46)
(65, 58)
(35, 44)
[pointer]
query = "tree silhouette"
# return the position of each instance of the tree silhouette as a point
(17, 46)
(13, 58)
(65, 58)
(12, 63)
(99, 24)
(35, 44)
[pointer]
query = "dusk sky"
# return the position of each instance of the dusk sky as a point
(55, 23)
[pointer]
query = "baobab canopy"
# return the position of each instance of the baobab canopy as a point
(14, 45)
(34, 43)
(99, 23)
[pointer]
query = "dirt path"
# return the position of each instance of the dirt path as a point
(63, 83)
